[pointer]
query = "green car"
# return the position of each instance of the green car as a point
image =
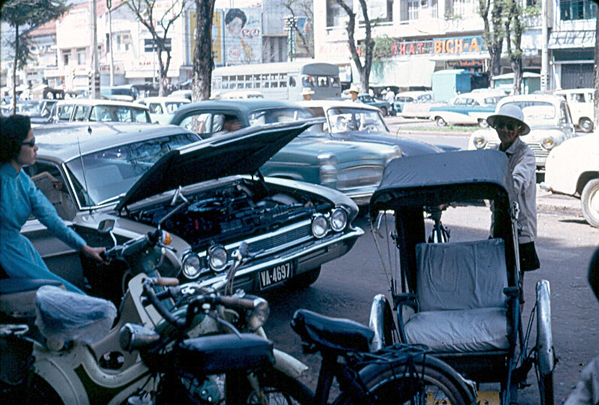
(353, 167)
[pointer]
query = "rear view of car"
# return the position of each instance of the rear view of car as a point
(101, 111)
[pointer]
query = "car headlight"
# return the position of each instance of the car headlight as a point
(258, 316)
(320, 226)
(338, 219)
(191, 266)
(327, 168)
(479, 141)
(548, 142)
(217, 258)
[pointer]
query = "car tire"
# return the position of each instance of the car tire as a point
(384, 111)
(590, 202)
(585, 124)
(483, 123)
(440, 122)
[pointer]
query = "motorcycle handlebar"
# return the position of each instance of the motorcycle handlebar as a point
(133, 246)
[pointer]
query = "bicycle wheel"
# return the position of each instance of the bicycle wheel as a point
(545, 355)
(277, 386)
(441, 383)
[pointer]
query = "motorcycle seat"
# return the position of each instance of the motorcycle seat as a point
(334, 333)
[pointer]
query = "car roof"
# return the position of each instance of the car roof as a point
(68, 140)
(568, 91)
(326, 104)
(242, 105)
(162, 99)
(94, 102)
(532, 97)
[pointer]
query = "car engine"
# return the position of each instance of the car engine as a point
(238, 210)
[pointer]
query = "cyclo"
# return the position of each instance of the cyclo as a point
(464, 298)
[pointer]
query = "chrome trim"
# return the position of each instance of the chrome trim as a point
(544, 333)
(377, 322)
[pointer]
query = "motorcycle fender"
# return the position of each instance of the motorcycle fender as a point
(61, 378)
(284, 362)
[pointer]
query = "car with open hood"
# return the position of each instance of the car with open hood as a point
(547, 116)
(208, 194)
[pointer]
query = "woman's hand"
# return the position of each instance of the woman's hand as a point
(94, 252)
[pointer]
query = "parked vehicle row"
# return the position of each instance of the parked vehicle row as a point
(469, 108)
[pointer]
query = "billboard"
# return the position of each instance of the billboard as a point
(217, 36)
(242, 35)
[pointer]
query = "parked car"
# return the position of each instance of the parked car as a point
(548, 118)
(573, 169)
(581, 106)
(181, 94)
(468, 108)
(101, 110)
(354, 168)
(39, 111)
(362, 123)
(382, 105)
(408, 97)
(162, 109)
(137, 174)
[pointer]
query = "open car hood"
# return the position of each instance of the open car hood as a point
(239, 152)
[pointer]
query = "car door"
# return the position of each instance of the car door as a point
(59, 257)
(565, 121)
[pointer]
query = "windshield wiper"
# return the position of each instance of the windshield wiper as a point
(111, 199)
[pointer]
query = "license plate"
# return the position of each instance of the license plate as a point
(276, 274)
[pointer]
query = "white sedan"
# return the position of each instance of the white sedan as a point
(573, 169)
(549, 120)
(162, 108)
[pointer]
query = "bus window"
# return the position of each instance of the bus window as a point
(248, 85)
(308, 81)
(282, 84)
(274, 85)
(335, 82)
(323, 81)
(256, 85)
(292, 82)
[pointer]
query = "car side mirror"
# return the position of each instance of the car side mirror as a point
(106, 226)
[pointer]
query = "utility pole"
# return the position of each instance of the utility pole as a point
(290, 27)
(94, 71)
(109, 6)
(546, 20)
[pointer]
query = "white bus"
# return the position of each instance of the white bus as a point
(279, 81)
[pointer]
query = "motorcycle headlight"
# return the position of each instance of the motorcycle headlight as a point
(479, 141)
(191, 266)
(218, 258)
(548, 142)
(320, 226)
(338, 219)
(259, 314)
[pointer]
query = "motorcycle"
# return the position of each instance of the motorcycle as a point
(61, 362)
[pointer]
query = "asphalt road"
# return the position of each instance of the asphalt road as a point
(565, 244)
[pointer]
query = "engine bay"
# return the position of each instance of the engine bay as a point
(238, 210)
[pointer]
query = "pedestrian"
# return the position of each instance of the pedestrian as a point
(509, 124)
(390, 96)
(307, 93)
(353, 91)
(19, 199)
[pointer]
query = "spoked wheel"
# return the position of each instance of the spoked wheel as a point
(545, 356)
(440, 122)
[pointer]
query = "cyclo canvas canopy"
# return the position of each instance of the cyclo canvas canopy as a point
(411, 184)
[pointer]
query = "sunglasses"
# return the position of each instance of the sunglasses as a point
(510, 125)
(30, 143)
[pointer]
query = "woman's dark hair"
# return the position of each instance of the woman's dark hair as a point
(13, 131)
(233, 13)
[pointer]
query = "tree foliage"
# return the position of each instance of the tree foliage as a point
(159, 21)
(24, 15)
(203, 60)
(367, 46)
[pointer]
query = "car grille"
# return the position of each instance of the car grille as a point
(536, 147)
(360, 176)
(281, 241)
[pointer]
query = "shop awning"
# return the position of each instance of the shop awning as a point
(408, 73)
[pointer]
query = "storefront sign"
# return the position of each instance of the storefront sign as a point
(439, 46)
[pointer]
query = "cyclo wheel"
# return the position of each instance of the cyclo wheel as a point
(545, 356)
(277, 386)
(442, 384)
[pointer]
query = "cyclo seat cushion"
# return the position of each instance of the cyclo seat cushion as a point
(462, 307)
(17, 295)
(68, 316)
(334, 333)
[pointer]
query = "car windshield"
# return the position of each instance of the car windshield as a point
(537, 113)
(118, 114)
(31, 107)
(355, 119)
(276, 115)
(172, 106)
(110, 173)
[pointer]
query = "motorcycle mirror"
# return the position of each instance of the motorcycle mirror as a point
(106, 226)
